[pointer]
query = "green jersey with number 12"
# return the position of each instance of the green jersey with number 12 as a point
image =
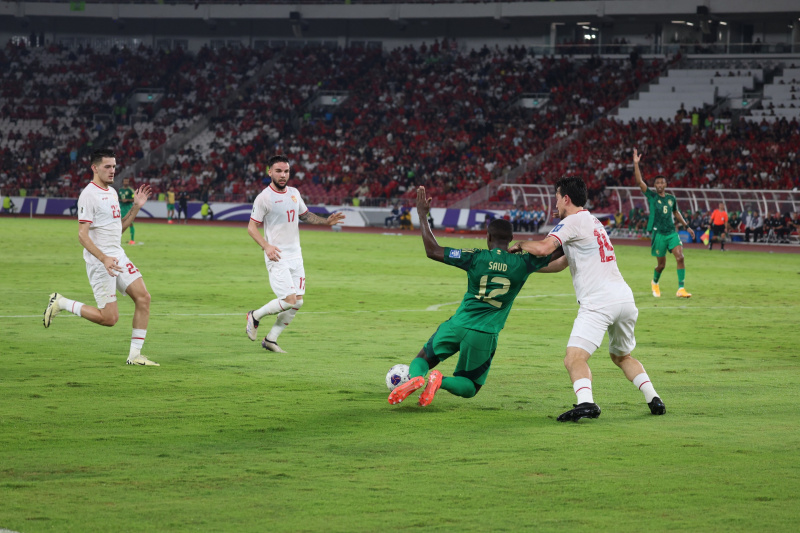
(494, 278)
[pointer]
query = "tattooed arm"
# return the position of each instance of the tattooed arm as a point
(310, 218)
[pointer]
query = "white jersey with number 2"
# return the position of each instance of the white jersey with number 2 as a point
(592, 261)
(280, 212)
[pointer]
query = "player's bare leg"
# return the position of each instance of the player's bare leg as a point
(636, 374)
(141, 316)
(106, 316)
(577, 363)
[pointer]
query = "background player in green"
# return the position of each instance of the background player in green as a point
(494, 278)
(125, 204)
(661, 224)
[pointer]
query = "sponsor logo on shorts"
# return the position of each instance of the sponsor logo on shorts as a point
(455, 254)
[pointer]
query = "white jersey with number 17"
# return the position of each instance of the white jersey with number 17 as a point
(279, 212)
(592, 261)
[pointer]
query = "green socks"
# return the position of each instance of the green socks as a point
(418, 367)
(681, 277)
(656, 276)
(460, 386)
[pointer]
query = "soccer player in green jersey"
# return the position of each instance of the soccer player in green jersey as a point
(125, 204)
(661, 224)
(494, 278)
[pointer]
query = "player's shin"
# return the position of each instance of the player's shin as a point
(281, 321)
(418, 367)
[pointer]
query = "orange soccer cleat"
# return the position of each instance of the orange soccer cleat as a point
(434, 382)
(401, 392)
(682, 293)
(656, 289)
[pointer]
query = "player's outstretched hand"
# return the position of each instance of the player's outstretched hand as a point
(636, 156)
(423, 203)
(335, 218)
(142, 194)
(112, 265)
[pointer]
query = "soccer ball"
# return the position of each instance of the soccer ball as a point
(397, 375)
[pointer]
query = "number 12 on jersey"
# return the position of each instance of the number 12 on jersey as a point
(490, 298)
(606, 250)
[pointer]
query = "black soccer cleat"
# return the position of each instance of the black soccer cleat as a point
(657, 407)
(583, 410)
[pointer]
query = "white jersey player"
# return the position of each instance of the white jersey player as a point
(107, 266)
(606, 301)
(280, 209)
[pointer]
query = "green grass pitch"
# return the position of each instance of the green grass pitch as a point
(227, 437)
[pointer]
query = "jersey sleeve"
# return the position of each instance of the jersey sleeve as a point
(85, 208)
(458, 257)
(535, 263)
(260, 210)
(301, 205)
(564, 231)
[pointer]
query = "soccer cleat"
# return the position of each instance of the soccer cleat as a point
(583, 410)
(131, 242)
(657, 407)
(434, 382)
(140, 360)
(401, 392)
(682, 293)
(656, 289)
(272, 346)
(252, 326)
(52, 309)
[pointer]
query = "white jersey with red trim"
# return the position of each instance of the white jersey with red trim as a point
(100, 207)
(280, 212)
(592, 261)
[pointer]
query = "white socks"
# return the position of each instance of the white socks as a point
(65, 304)
(583, 390)
(642, 382)
(137, 341)
(272, 308)
(283, 319)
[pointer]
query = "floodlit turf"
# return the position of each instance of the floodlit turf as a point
(227, 437)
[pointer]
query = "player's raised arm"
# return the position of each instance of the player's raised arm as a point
(140, 198)
(638, 173)
(333, 219)
(432, 248)
(546, 246)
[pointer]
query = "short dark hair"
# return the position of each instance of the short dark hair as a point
(98, 155)
(660, 176)
(574, 187)
(501, 230)
(277, 159)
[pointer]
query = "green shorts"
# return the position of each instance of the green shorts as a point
(476, 350)
(124, 211)
(664, 243)
(170, 207)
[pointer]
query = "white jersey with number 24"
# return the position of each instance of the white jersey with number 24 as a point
(592, 261)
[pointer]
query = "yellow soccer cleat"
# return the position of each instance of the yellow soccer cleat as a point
(682, 293)
(656, 289)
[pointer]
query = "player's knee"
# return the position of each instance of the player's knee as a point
(291, 299)
(109, 319)
(298, 303)
(619, 360)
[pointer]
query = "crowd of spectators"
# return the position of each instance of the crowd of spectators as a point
(428, 115)
(739, 155)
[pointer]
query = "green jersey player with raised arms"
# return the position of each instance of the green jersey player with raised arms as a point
(494, 278)
(662, 225)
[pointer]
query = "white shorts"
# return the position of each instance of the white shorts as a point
(618, 319)
(286, 277)
(104, 286)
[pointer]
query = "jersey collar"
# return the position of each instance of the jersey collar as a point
(96, 185)
(277, 191)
